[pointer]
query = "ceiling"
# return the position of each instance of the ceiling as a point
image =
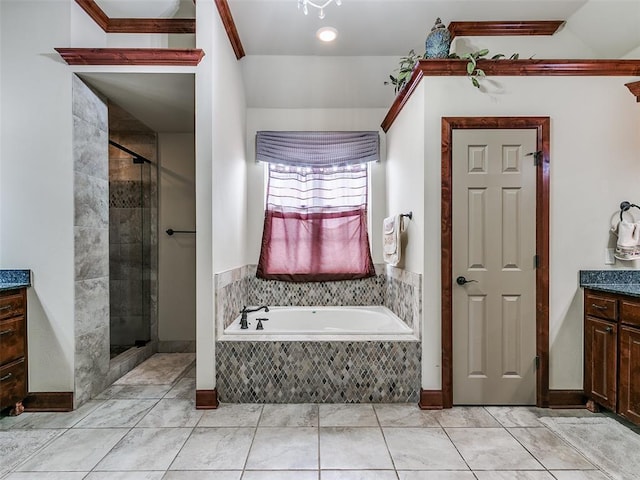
(287, 67)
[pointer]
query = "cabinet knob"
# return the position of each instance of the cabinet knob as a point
(608, 329)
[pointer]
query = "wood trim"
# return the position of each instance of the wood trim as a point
(555, 67)
(430, 400)
(207, 399)
(634, 88)
(136, 25)
(542, 127)
(95, 12)
(230, 27)
(497, 29)
(151, 25)
(48, 402)
(567, 399)
(131, 56)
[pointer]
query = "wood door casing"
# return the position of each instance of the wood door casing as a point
(601, 353)
(629, 387)
(542, 127)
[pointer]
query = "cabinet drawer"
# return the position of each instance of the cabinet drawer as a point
(630, 312)
(11, 305)
(13, 383)
(12, 339)
(601, 307)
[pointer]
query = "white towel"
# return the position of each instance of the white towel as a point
(391, 245)
(628, 246)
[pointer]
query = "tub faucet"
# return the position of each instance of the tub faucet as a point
(243, 319)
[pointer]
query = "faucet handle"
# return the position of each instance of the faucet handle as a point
(260, 326)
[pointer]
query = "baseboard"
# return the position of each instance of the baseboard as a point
(48, 402)
(207, 399)
(430, 400)
(567, 399)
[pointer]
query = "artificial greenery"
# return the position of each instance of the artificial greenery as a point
(404, 70)
(408, 62)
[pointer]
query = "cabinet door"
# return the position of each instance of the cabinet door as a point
(629, 388)
(600, 369)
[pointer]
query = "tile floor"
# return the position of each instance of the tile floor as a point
(136, 432)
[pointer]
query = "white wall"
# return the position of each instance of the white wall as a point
(595, 153)
(220, 177)
(311, 119)
(36, 183)
(177, 253)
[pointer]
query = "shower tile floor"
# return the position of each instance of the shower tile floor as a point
(136, 432)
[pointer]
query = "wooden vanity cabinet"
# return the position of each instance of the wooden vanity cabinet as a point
(612, 352)
(601, 361)
(13, 349)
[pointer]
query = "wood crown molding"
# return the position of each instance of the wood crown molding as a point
(634, 88)
(497, 29)
(531, 67)
(230, 27)
(131, 56)
(136, 25)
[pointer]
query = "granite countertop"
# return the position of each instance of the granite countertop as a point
(12, 279)
(625, 282)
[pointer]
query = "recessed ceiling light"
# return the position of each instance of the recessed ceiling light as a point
(327, 34)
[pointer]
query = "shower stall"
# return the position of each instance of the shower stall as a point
(132, 238)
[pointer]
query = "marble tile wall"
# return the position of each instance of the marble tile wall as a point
(397, 289)
(318, 372)
(91, 242)
(403, 296)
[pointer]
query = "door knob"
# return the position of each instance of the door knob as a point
(462, 281)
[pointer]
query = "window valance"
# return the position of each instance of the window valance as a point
(317, 149)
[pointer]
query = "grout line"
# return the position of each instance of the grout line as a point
(386, 444)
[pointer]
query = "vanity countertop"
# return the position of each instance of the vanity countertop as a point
(624, 282)
(12, 279)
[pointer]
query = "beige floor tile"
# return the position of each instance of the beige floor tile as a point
(284, 448)
(353, 448)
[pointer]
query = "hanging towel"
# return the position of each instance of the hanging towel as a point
(628, 246)
(391, 247)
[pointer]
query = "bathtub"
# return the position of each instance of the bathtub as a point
(363, 322)
(319, 355)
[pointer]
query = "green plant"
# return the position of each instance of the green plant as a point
(473, 72)
(404, 70)
(408, 63)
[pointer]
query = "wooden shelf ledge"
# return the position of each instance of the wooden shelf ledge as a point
(555, 67)
(498, 29)
(131, 56)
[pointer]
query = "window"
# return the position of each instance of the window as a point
(315, 226)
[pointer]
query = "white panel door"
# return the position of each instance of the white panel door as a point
(494, 242)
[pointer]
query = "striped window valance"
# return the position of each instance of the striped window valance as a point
(317, 149)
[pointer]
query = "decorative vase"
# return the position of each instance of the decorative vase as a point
(438, 41)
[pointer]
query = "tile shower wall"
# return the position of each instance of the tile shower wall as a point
(91, 242)
(318, 372)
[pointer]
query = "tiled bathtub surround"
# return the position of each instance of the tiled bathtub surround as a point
(398, 290)
(322, 371)
(318, 372)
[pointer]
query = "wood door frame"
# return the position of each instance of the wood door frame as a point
(542, 127)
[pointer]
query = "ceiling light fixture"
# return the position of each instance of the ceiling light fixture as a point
(304, 5)
(327, 34)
